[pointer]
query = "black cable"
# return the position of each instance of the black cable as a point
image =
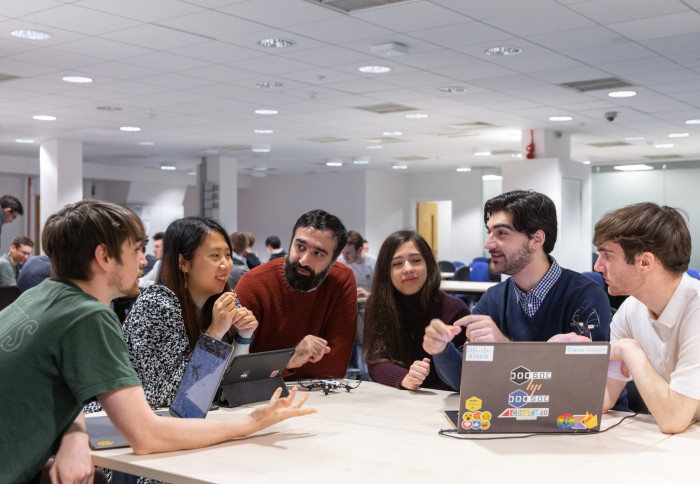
(448, 432)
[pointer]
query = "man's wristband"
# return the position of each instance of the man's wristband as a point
(244, 341)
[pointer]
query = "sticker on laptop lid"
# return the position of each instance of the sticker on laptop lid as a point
(577, 422)
(478, 353)
(586, 349)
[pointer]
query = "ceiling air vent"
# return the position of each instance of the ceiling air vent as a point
(663, 157)
(234, 147)
(609, 144)
(324, 139)
(505, 152)
(596, 84)
(6, 77)
(470, 125)
(383, 140)
(354, 5)
(386, 108)
(409, 158)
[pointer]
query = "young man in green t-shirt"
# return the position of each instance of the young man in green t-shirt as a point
(61, 345)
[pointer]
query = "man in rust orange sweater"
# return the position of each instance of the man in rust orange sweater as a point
(306, 300)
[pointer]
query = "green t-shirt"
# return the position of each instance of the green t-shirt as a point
(59, 347)
(8, 271)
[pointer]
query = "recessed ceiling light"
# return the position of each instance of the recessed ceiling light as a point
(664, 145)
(622, 93)
(679, 135)
(78, 79)
(482, 152)
(560, 118)
(360, 161)
(260, 168)
(261, 149)
(24, 141)
(463, 169)
(633, 167)
(503, 51)
(192, 173)
(276, 43)
(392, 133)
(31, 34)
(374, 69)
(266, 111)
(375, 147)
(269, 84)
(586, 162)
(166, 166)
(263, 131)
(334, 163)
(130, 129)
(416, 116)
(109, 108)
(44, 117)
(399, 167)
(692, 121)
(145, 143)
(634, 138)
(491, 177)
(452, 89)
(516, 155)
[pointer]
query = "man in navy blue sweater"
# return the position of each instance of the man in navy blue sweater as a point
(538, 302)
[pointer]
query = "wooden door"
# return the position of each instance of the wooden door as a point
(427, 223)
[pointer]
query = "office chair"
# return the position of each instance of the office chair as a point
(479, 259)
(596, 277)
(8, 294)
(479, 271)
(693, 273)
(446, 266)
(462, 273)
(458, 264)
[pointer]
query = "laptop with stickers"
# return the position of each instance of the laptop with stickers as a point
(193, 397)
(531, 387)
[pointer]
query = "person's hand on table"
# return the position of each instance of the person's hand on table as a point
(73, 462)
(279, 409)
(438, 335)
(311, 348)
(416, 374)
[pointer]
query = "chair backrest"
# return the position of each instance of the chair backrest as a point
(446, 266)
(8, 294)
(693, 273)
(479, 272)
(462, 273)
(479, 259)
(596, 277)
(457, 264)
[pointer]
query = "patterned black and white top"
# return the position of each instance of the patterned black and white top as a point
(155, 335)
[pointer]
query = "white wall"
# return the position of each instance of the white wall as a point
(677, 188)
(387, 207)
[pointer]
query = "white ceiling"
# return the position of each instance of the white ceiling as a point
(185, 71)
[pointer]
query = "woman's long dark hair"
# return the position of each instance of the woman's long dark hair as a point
(183, 237)
(382, 316)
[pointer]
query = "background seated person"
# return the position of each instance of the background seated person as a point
(540, 299)
(274, 247)
(306, 300)
(20, 251)
(34, 271)
(191, 296)
(94, 248)
(353, 255)
(655, 335)
(239, 243)
(405, 296)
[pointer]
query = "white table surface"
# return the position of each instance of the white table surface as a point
(465, 286)
(380, 434)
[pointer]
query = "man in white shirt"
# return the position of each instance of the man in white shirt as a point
(150, 277)
(655, 335)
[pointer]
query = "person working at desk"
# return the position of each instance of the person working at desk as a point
(61, 345)
(362, 265)
(20, 251)
(655, 335)
(306, 300)
(538, 302)
(405, 296)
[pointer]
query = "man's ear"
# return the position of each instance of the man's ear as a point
(645, 261)
(537, 239)
(102, 258)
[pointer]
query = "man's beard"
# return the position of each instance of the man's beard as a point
(299, 282)
(516, 262)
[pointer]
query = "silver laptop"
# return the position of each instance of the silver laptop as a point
(194, 394)
(532, 387)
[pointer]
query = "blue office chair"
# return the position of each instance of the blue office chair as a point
(596, 277)
(462, 273)
(693, 273)
(479, 259)
(479, 271)
(458, 264)
(446, 266)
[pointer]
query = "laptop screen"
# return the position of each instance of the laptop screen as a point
(201, 378)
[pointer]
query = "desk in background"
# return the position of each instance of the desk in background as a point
(380, 434)
(466, 286)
